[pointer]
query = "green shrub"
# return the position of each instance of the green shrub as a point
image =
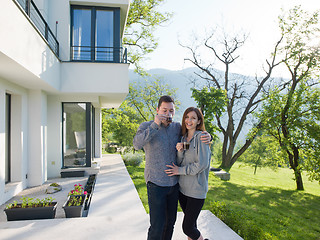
(126, 149)
(132, 159)
(111, 149)
(238, 222)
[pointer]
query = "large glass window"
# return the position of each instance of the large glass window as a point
(95, 34)
(104, 35)
(81, 34)
(78, 134)
(74, 134)
(7, 138)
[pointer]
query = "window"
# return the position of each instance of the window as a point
(95, 34)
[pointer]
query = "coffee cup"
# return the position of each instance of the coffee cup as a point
(186, 145)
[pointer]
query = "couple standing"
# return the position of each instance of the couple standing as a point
(172, 173)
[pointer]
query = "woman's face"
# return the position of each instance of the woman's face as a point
(191, 120)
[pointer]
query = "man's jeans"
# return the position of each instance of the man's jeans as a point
(163, 203)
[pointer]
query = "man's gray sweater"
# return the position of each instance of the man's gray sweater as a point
(159, 144)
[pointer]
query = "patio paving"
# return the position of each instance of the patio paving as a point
(116, 212)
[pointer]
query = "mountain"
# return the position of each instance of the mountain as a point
(181, 80)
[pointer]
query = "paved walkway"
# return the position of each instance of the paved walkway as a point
(116, 212)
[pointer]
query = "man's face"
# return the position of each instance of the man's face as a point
(166, 108)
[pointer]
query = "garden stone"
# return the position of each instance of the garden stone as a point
(223, 175)
(53, 188)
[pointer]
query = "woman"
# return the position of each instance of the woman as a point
(194, 164)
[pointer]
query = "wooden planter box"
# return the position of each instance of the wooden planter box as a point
(16, 214)
(74, 211)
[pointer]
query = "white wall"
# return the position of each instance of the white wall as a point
(21, 43)
(98, 78)
(54, 150)
(19, 141)
(37, 138)
(60, 11)
(98, 133)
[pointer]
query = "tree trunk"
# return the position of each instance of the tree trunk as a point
(297, 174)
(294, 164)
(227, 158)
(256, 165)
(297, 171)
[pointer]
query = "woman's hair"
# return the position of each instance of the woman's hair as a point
(200, 126)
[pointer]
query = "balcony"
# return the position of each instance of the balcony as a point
(40, 23)
(98, 54)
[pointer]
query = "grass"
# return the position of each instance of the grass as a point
(266, 201)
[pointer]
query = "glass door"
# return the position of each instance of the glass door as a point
(76, 135)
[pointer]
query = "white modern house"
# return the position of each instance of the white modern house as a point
(61, 61)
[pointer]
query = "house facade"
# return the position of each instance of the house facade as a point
(61, 62)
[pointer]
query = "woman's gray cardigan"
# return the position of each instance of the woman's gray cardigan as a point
(194, 165)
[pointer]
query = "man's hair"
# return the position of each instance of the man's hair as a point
(165, 98)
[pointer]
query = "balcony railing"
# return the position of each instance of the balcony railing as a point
(99, 54)
(34, 14)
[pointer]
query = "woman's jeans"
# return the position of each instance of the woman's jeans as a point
(163, 203)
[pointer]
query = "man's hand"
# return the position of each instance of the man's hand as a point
(161, 118)
(205, 137)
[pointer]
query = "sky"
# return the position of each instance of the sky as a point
(257, 18)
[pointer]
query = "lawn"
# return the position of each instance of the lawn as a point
(266, 201)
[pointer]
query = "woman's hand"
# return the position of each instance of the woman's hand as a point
(173, 170)
(179, 146)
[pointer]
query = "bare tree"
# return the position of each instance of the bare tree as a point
(243, 96)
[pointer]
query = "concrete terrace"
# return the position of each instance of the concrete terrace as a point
(116, 212)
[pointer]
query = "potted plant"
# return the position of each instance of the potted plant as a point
(74, 205)
(31, 208)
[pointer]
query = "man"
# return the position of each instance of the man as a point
(158, 138)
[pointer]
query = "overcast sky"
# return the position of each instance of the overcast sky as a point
(257, 18)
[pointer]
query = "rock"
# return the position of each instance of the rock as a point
(54, 187)
(223, 175)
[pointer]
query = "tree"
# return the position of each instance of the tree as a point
(242, 97)
(296, 128)
(216, 151)
(139, 106)
(211, 101)
(143, 19)
(292, 117)
(122, 122)
(144, 96)
(263, 152)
